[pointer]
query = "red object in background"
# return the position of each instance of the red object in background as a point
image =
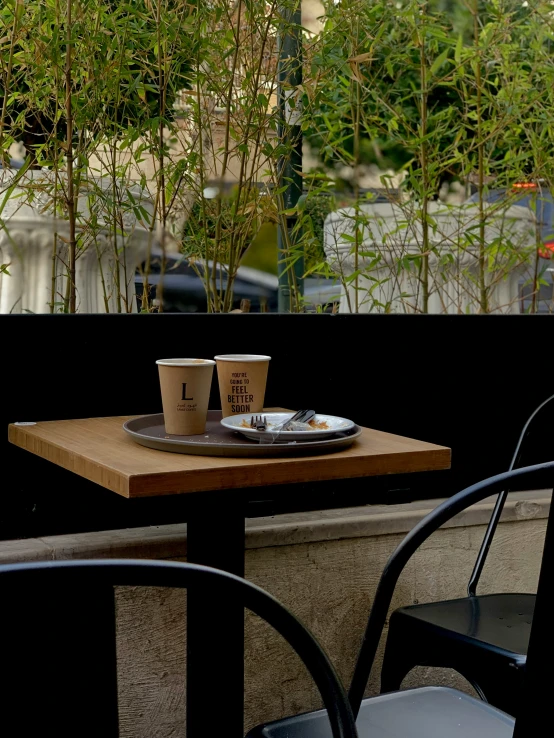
(547, 250)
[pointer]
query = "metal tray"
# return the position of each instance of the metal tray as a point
(149, 430)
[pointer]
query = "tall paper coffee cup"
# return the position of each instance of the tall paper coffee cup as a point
(185, 385)
(242, 379)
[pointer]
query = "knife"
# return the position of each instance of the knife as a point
(302, 416)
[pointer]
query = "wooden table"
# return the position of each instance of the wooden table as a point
(99, 450)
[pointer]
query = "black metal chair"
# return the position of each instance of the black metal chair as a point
(431, 712)
(483, 637)
(40, 690)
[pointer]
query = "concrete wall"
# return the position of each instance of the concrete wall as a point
(325, 566)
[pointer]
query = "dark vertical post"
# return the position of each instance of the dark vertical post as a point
(290, 165)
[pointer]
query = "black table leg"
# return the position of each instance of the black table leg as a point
(215, 628)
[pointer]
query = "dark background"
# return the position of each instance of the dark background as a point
(468, 382)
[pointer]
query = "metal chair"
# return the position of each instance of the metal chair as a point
(432, 712)
(43, 696)
(484, 637)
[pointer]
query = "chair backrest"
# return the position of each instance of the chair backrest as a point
(50, 611)
(517, 457)
(540, 474)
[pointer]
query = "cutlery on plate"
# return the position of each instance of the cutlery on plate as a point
(258, 422)
(302, 416)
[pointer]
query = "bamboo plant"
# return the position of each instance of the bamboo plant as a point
(409, 85)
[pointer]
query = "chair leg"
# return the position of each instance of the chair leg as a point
(400, 656)
(499, 685)
(503, 693)
(394, 670)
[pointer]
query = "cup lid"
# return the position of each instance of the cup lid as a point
(242, 357)
(185, 362)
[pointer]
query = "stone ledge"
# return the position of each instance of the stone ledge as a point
(170, 541)
(379, 520)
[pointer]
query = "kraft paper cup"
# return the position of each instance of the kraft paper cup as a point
(185, 385)
(242, 379)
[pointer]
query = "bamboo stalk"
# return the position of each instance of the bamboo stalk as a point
(233, 248)
(15, 27)
(424, 271)
(70, 195)
(483, 296)
(160, 179)
(356, 164)
(225, 162)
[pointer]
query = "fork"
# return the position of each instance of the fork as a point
(258, 422)
(300, 416)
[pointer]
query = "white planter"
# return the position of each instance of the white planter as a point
(34, 242)
(388, 258)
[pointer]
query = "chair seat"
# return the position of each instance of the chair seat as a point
(427, 712)
(500, 621)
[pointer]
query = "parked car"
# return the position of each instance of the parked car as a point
(184, 292)
(541, 202)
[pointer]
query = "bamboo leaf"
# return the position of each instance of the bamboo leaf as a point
(439, 61)
(368, 56)
(459, 47)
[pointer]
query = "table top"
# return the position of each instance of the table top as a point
(100, 450)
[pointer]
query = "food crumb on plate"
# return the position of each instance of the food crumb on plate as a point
(318, 424)
(313, 423)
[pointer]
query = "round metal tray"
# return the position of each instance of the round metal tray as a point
(149, 430)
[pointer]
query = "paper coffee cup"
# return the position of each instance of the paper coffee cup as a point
(185, 385)
(242, 379)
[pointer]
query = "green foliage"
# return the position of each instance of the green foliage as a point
(314, 207)
(378, 64)
(262, 253)
(436, 91)
(231, 105)
(127, 63)
(222, 221)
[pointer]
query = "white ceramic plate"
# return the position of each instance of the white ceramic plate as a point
(331, 426)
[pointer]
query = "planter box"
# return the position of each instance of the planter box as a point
(389, 258)
(112, 242)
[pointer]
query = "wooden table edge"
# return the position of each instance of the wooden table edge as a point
(333, 466)
(139, 486)
(15, 431)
